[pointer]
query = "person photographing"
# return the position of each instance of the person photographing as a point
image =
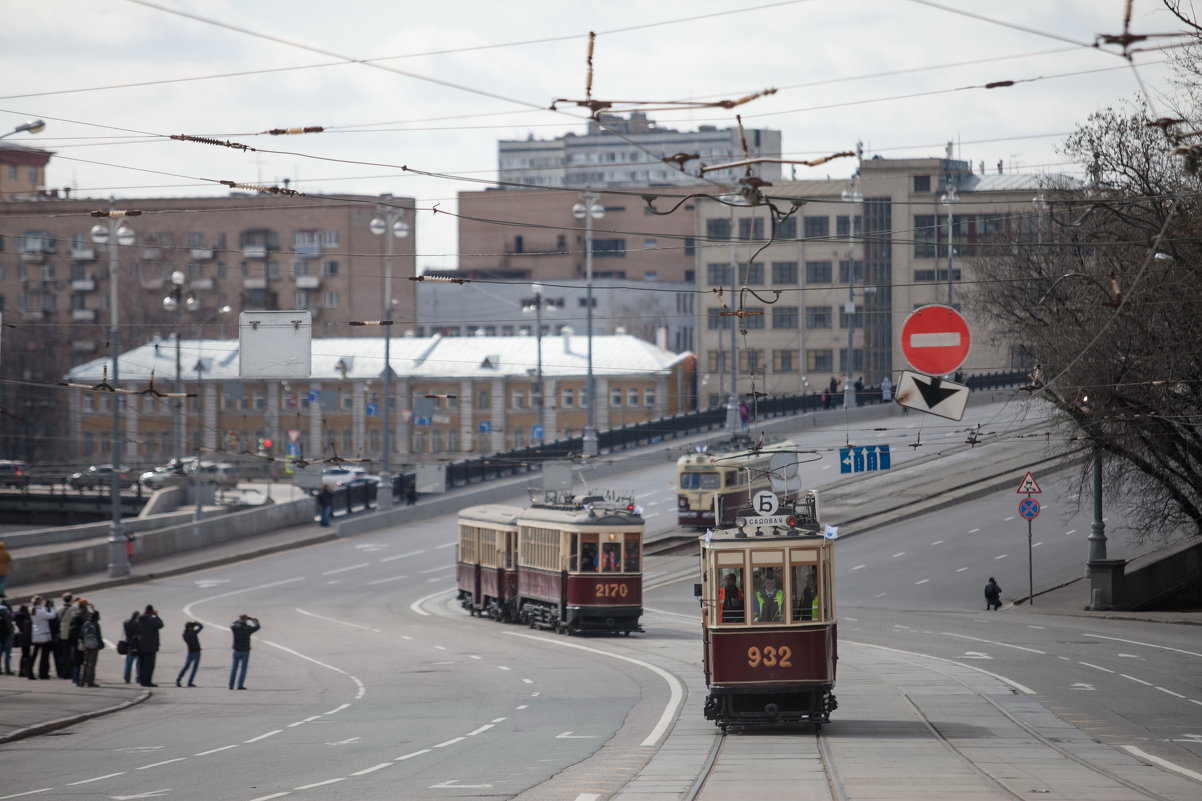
(242, 629)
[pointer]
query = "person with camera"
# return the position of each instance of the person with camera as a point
(192, 640)
(148, 645)
(242, 628)
(41, 636)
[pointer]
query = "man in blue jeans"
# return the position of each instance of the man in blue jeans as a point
(242, 628)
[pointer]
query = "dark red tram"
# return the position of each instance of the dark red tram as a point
(566, 564)
(768, 620)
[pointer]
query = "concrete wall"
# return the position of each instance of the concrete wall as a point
(1172, 582)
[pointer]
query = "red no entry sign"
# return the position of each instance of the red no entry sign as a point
(935, 339)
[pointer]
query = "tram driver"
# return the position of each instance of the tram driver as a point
(730, 599)
(769, 601)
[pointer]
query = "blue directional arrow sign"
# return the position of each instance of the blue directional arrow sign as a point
(864, 459)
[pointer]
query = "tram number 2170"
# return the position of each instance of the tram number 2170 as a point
(614, 590)
(770, 656)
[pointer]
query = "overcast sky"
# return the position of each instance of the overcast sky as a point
(455, 77)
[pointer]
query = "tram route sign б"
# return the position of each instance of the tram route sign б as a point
(935, 339)
(1028, 508)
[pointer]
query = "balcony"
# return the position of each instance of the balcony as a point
(33, 314)
(202, 254)
(308, 251)
(151, 254)
(153, 283)
(33, 256)
(254, 252)
(83, 284)
(308, 282)
(83, 345)
(201, 284)
(254, 283)
(83, 254)
(83, 315)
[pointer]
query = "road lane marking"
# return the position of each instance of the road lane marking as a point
(961, 569)
(1019, 688)
(320, 784)
(416, 606)
(344, 569)
(676, 688)
(973, 530)
(164, 762)
(1164, 763)
(451, 741)
(412, 755)
(339, 621)
(215, 750)
(386, 580)
(451, 544)
(1141, 681)
(372, 769)
(401, 556)
(999, 644)
(522, 706)
(923, 581)
(442, 569)
(337, 709)
(480, 730)
(502, 667)
(98, 778)
(263, 736)
(1096, 667)
(269, 797)
(899, 553)
(27, 792)
(937, 542)
(859, 567)
(1145, 644)
(499, 720)
(1003, 556)
(1170, 692)
(527, 681)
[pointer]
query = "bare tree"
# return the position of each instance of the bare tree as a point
(1101, 291)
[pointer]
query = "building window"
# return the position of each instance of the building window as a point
(819, 272)
(569, 398)
(519, 399)
(816, 227)
(922, 183)
(926, 235)
(649, 397)
(304, 243)
(719, 361)
(820, 361)
(784, 272)
(718, 274)
(751, 274)
(329, 239)
(754, 318)
(784, 317)
(751, 361)
(690, 246)
(843, 225)
(786, 228)
(330, 300)
(330, 268)
(615, 396)
(751, 228)
(851, 272)
(718, 321)
(632, 397)
(482, 399)
(609, 248)
(818, 317)
(784, 361)
(718, 228)
(857, 319)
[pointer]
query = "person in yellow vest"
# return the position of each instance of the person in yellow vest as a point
(768, 602)
(809, 600)
(730, 601)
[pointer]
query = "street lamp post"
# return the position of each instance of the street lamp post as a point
(33, 127)
(851, 195)
(200, 406)
(176, 302)
(389, 225)
(949, 199)
(112, 233)
(588, 210)
(538, 375)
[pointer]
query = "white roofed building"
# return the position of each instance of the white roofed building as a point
(453, 397)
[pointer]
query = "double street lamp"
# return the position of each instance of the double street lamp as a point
(539, 405)
(589, 209)
(112, 233)
(175, 301)
(390, 225)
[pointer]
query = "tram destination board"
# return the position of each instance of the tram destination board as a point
(766, 520)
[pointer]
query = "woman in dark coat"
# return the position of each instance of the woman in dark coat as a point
(23, 638)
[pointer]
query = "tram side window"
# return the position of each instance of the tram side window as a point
(611, 557)
(574, 546)
(632, 553)
(693, 481)
(588, 553)
(805, 585)
(769, 600)
(732, 602)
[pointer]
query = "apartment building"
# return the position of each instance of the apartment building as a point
(631, 151)
(855, 258)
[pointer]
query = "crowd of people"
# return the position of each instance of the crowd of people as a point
(65, 642)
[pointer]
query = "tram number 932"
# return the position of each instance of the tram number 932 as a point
(770, 656)
(614, 590)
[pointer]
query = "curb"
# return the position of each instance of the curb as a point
(62, 723)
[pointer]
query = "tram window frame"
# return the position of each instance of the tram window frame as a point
(804, 561)
(705, 480)
(609, 555)
(508, 557)
(488, 547)
(589, 539)
(632, 551)
(719, 601)
(732, 478)
(764, 565)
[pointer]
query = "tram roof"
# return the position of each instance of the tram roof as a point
(732, 450)
(598, 516)
(495, 513)
(730, 537)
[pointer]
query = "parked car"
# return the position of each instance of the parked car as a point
(217, 473)
(335, 477)
(99, 475)
(13, 473)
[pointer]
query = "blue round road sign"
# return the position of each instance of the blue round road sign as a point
(1028, 508)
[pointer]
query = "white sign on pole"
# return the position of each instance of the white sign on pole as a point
(275, 344)
(765, 503)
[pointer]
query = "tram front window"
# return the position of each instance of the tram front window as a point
(770, 601)
(805, 580)
(695, 481)
(588, 553)
(732, 603)
(632, 553)
(611, 557)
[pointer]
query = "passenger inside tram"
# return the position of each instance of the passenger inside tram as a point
(769, 600)
(588, 558)
(805, 576)
(632, 553)
(730, 599)
(611, 557)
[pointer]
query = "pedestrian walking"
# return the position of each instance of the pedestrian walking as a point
(91, 641)
(886, 390)
(192, 631)
(64, 645)
(242, 628)
(859, 388)
(325, 504)
(993, 595)
(149, 624)
(8, 631)
(42, 637)
(832, 391)
(6, 566)
(74, 637)
(130, 627)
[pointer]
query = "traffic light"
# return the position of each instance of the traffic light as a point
(264, 446)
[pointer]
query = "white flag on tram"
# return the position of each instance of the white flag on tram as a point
(709, 534)
(831, 533)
